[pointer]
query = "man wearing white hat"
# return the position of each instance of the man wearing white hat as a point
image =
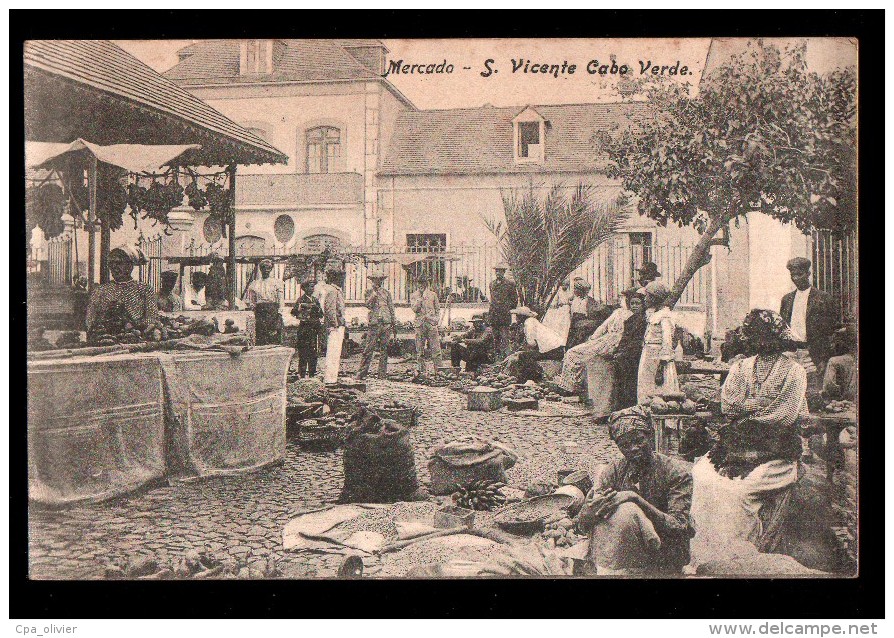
(382, 324)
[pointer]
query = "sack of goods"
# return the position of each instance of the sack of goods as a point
(379, 465)
(464, 462)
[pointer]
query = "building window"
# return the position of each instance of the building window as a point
(319, 243)
(323, 149)
(255, 56)
(528, 136)
(284, 228)
(640, 252)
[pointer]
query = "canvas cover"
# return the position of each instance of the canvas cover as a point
(95, 427)
(227, 411)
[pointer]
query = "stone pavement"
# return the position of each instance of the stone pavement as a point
(243, 516)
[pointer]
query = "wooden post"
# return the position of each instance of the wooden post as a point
(91, 220)
(105, 245)
(231, 238)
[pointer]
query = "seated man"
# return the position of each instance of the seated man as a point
(474, 346)
(541, 343)
(637, 513)
(168, 300)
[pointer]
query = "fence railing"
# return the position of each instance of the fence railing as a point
(464, 273)
(150, 272)
(835, 269)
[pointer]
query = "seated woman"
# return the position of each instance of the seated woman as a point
(637, 513)
(122, 301)
(748, 493)
(595, 356)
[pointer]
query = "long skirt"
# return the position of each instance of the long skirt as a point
(648, 365)
(625, 543)
(268, 324)
(601, 385)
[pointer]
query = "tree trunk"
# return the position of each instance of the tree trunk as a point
(697, 259)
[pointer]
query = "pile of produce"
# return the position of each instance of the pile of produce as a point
(531, 390)
(111, 333)
(559, 532)
(839, 407)
(673, 404)
(193, 566)
(181, 326)
(481, 495)
(312, 391)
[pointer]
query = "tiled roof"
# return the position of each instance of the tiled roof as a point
(108, 69)
(481, 140)
(217, 62)
(358, 42)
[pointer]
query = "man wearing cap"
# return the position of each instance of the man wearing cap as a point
(474, 346)
(310, 320)
(168, 300)
(503, 298)
(424, 303)
(382, 325)
(265, 296)
(638, 512)
(811, 315)
(648, 273)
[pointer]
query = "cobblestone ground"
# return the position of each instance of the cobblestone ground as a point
(243, 516)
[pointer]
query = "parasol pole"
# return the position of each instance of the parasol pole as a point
(231, 237)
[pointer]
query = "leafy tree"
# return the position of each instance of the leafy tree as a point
(546, 238)
(763, 133)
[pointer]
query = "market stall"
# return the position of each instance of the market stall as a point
(102, 426)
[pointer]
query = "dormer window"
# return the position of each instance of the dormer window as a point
(530, 128)
(256, 57)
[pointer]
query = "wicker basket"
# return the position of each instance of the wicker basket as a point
(527, 517)
(313, 433)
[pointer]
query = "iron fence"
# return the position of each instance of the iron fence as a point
(463, 273)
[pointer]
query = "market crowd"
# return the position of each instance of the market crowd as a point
(746, 487)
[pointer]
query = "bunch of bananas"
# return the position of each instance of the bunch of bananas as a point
(481, 495)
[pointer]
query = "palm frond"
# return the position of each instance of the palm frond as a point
(545, 240)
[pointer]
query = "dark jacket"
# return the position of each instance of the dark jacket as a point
(822, 319)
(308, 312)
(503, 298)
(627, 356)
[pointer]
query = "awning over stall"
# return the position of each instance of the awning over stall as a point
(136, 158)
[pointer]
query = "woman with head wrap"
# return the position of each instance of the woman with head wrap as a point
(122, 301)
(744, 485)
(637, 513)
(657, 372)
